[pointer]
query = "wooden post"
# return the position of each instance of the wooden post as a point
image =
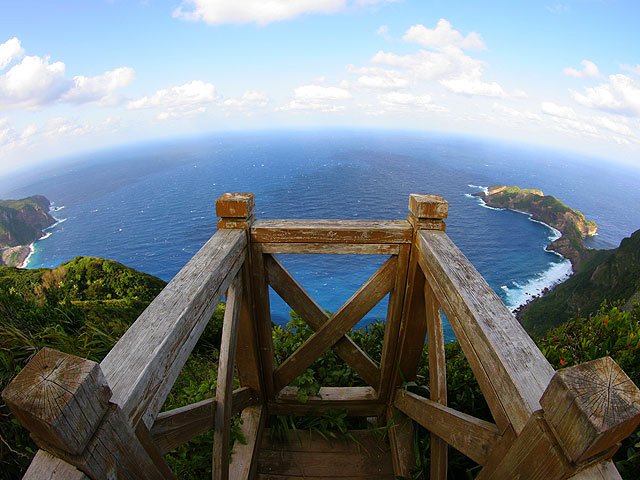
(588, 409)
(235, 210)
(427, 212)
(64, 401)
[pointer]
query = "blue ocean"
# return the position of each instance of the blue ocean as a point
(151, 205)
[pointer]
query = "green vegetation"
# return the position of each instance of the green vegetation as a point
(608, 274)
(85, 305)
(22, 221)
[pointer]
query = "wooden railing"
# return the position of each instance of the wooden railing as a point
(103, 421)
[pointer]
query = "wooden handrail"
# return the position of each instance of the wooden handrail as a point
(540, 415)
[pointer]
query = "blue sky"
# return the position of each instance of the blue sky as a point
(79, 75)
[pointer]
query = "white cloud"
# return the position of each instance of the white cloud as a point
(621, 95)
(398, 101)
(215, 12)
(631, 68)
(590, 70)
(517, 114)
(378, 78)
(556, 110)
(32, 83)
(10, 50)
(318, 98)
(250, 99)
(181, 101)
(471, 85)
(383, 31)
(100, 88)
(442, 36)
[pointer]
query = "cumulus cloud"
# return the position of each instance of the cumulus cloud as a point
(442, 36)
(590, 70)
(180, 101)
(215, 12)
(318, 98)
(621, 95)
(250, 99)
(383, 31)
(100, 88)
(517, 114)
(556, 110)
(35, 82)
(631, 68)
(10, 50)
(378, 78)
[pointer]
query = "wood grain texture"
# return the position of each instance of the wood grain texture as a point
(388, 360)
(428, 206)
(45, 466)
(301, 302)
(331, 248)
(358, 401)
(261, 314)
(331, 231)
(401, 439)
(508, 359)
(473, 437)
(437, 379)
(247, 354)
(176, 427)
(591, 407)
(143, 365)
(60, 398)
(244, 461)
(224, 389)
(334, 329)
(311, 456)
(235, 205)
(605, 470)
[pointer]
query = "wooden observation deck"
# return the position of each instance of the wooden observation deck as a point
(103, 420)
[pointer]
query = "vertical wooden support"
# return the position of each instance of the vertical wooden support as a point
(401, 438)
(222, 424)
(236, 212)
(244, 460)
(64, 402)
(437, 378)
(587, 410)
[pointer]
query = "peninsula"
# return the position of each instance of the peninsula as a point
(21, 223)
(571, 223)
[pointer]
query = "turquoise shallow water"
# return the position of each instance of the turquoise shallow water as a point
(151, 206)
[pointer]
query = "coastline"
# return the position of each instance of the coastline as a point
(547, 279)
(46, 234)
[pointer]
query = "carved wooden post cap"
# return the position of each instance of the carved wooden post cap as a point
(591, 407)
(59, 398)
(235, 205)
(427, 211)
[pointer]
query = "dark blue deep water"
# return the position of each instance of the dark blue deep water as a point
(151, 206)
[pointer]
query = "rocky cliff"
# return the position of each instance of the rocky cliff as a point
(547, 209)
(21, 224)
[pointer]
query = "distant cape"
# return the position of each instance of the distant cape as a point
(21, 223)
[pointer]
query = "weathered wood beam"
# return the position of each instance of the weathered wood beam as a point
(176, 427)
(332, 248)
(401, 440)
(333, 330)
(358, 401)
(302, 303)
(469, 435)
(222, 415)
(45, 465)
(245, 456)
(143, 365)
(605, 470)
(500, 352)
(331, 231)
(247, 354)
(65, 403)
(437, 379)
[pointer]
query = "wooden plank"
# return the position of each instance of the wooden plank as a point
(247, 355)
(388, 363)
(311, 456)
(345, 318)
(222, 415)
(471, 436)
(176, 427)
(331, 248)
(45, 466)
(358, 401)
(437, 379)
(401, 438)
(600, 471)
(331, 231)
(301, 302)
(518, 370)
(143, 365)
(262, 318)
(244, 460)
